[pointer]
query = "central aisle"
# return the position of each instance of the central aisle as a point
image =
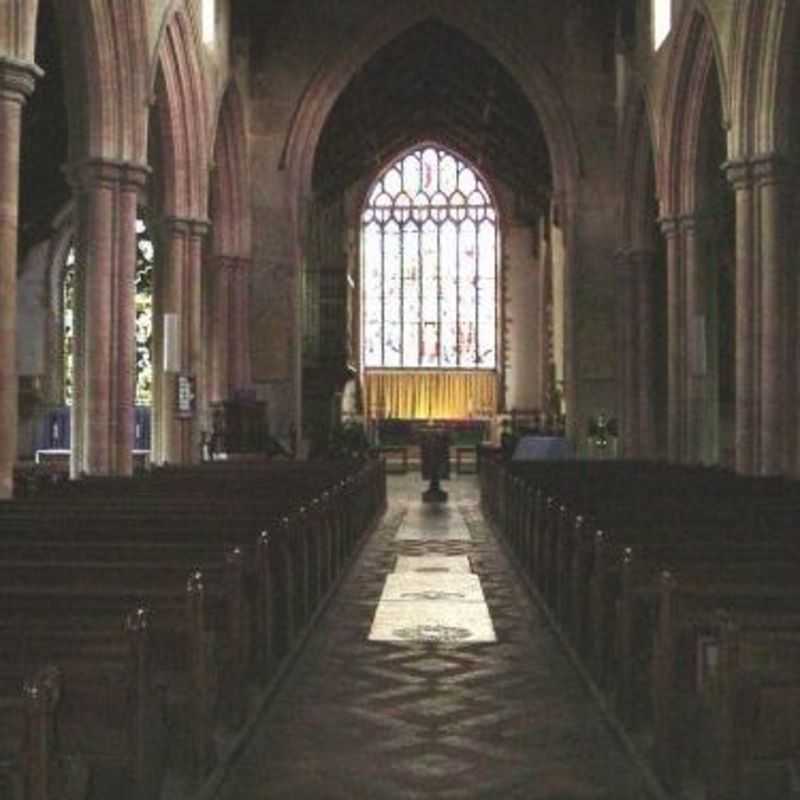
(441, 710)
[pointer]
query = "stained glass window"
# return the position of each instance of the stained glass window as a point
(144, 318)
(429, 249)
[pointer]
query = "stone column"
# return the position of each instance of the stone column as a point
(179, 289)
(696, 415)
(523, 278)
(675, 335)
(629, 346)
(776, 373)
(747, 300)
(642, 262)
(195, 344)
(168, 299)
(17, 80)
(219, 382)
(239, 323)
(105, 362)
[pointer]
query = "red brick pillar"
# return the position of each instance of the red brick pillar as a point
(17, 80)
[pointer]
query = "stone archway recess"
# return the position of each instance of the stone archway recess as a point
(229, 265)
(764, 71)
(184, 117)
(694, 57)
(636, 263)
(332, 78)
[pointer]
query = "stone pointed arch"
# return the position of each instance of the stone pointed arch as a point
(636, 156)
(764, 71)
(182, 100)
(108, 41)
(229, 184)
(695, 53)
(334, 75)
(18, 29)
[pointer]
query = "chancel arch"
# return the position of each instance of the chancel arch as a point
(390, 121)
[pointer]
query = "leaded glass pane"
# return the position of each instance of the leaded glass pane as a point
(143, 321)
(429, 266)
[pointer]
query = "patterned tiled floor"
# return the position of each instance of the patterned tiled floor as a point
(506, 720)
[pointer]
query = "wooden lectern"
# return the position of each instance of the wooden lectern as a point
(435, 450)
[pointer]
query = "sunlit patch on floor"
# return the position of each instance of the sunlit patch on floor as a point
(433, 598)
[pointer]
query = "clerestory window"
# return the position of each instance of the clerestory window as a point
(209, 21)
(661, 21)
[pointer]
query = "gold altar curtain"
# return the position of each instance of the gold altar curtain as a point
(405, 394)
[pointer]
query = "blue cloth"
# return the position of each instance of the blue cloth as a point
(538, 448)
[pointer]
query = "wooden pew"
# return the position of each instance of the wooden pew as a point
(686, 611)
(28, 721)
(80, 554)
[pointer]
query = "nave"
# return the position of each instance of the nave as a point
(428, 719)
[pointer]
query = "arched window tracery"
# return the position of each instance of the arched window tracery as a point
(429, 250)
(144, 318)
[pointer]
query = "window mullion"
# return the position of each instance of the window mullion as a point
(402, 234)
(421, 295)
(477, 295)
(438, 294)
(458, 293)
(383, 294)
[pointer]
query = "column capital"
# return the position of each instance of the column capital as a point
(18, 78)
(771, 168)
(93, 173)
(186, 226)
(669, 226)
(739, 173)
(689, 223)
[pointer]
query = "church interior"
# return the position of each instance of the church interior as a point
(399, 399)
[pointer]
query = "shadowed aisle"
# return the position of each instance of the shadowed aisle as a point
(433, 719)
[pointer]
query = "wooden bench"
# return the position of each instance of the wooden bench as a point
(396, 450)
(73, 562)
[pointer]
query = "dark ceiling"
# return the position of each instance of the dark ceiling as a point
(432, 83)
(43, 189)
